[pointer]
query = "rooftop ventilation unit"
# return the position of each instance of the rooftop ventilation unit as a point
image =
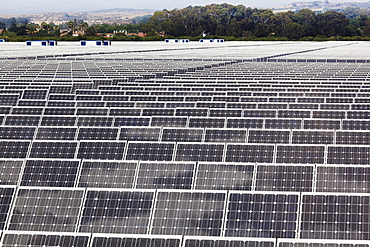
(177, 41)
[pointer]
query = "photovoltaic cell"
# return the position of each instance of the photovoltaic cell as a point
(42, 209)
(16, 132)
(313, 137)
(58, 121)
(352, 137)
(190, 241)
(225, 135)
(10, 171)
(206, 122)
(95, 121)
(169, 121)
(97, 133)
(161, 175)
(131, 121)
(268, 136)
(246, 123)
(262, 215)
(278, 123)
(22, 120)
(52, 173)
(188, 213)
(117, 211)
(107, 174)
(224, 176)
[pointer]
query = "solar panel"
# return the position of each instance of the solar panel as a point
(246, 123)
(59, 111)
(150, 151)
(53, 149)
(277, 123)
(321, 124)
(129, 112)
(182, 135)
(351, 155)
(97, 133)
(320, 243)
(58, 121)
(6, 201)
(22, 120)
(107, 174)
(16, 132)
(225, 135)
(15, 238)
(106, 240)
(117, 211)
(284, 178)
(53, 173)
(51, 133)
(190, 241)
(165, 175)
(312, 137)
(206, 122)
(268, 215)
(353, 137)
(260, 113)
(268, 136)
(224, 176)
(344, 179)
(199, 152)
(14, 149)
(334, 216)
(194, 112)
(300, 154)
(131, 121)
(101, 150)
(249, 153)
(188, 213)
(140, 134)
(46, 209)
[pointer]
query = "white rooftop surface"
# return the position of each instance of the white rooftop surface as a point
(192, 50)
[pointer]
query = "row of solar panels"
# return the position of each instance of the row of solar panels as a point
(170, 151)
(184, 175)
(92, 110)
(47, 239)
(231, 135)
(186, 212)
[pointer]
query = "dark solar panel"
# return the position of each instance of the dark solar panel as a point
(56, 149)
(188, 213)
(224, 176)
(16, 132)
(103, 150)
(6, 199)
(284, 178)
(53, 173)
(117, 211)
(353, 155)
(182, 135)
(352, 137)
(206, 122)
(268, 136)
(277, 123)
(225, 135)
(321, 124)
(107, 174)
(227, 242)
(14, 149)
(199, 152)
(135, 241)
(194, 112)
(249, 153)
(298, 154)
(169, 121)
(344, 179)
(334, 216)
(262, 215)
(95, 121)
(131, 121)
(13, 238)
(42, 209)
(313, 137)
(97, 133)
(161, 175)
(22, 120)
(58, 121)
(246, 123)
(52, 133)
(150, 151)
(140, 134)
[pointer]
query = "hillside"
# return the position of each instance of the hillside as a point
(320, 6)
(109, 16)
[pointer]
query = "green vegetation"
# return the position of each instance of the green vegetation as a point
(213, 21)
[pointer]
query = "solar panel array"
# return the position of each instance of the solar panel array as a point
(99, 151)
